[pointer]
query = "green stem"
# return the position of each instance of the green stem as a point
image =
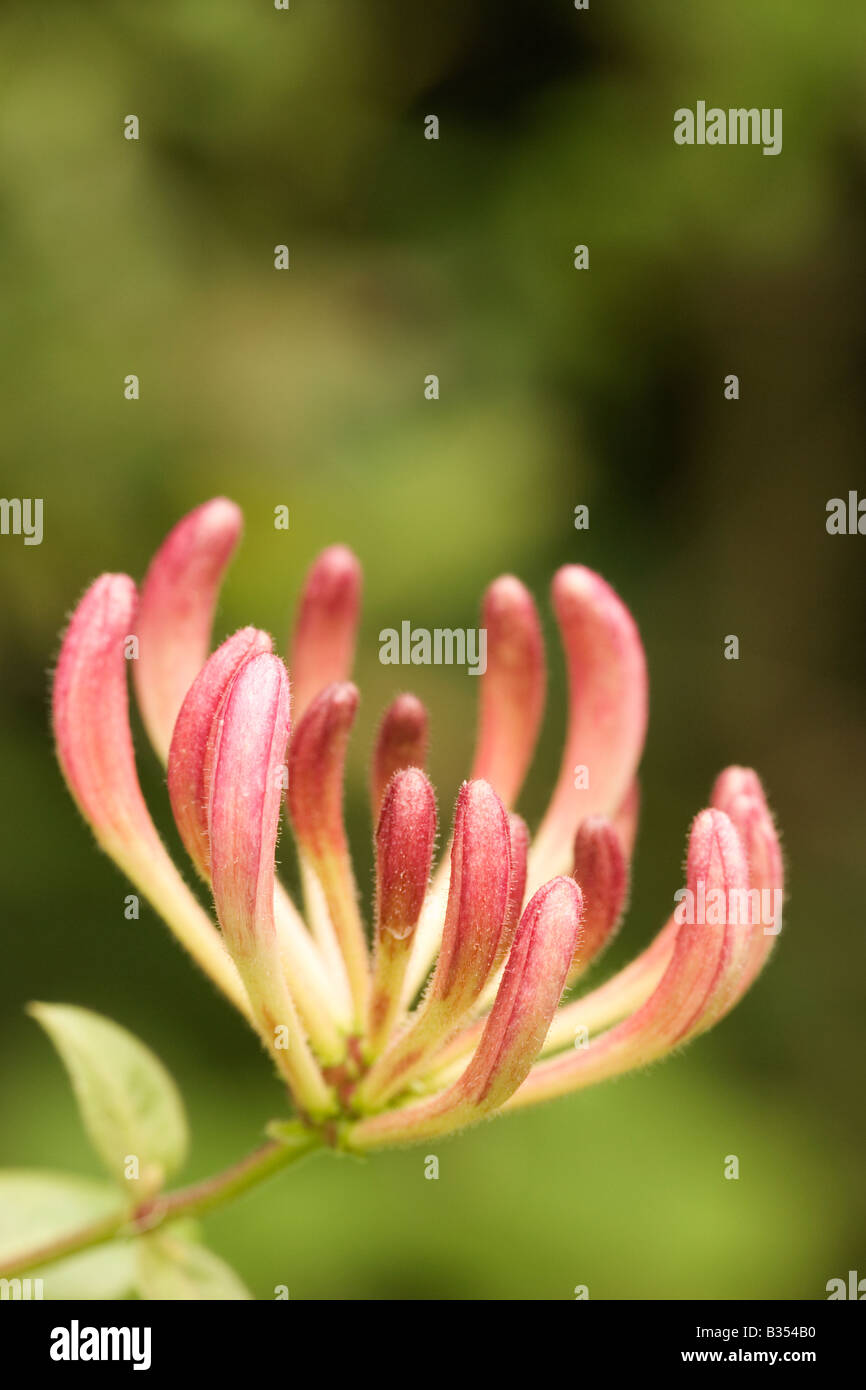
(190, 1201)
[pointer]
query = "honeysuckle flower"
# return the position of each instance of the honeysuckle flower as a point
(450, 1007)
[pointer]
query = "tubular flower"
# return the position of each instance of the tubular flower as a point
(451, 1006)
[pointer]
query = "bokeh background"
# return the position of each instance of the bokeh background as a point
(558, 387)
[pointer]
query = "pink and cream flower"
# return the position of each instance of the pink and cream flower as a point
(450, 1006)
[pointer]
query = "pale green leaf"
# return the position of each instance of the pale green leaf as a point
(40, 1207)
(130, 1106)
(170, 1267)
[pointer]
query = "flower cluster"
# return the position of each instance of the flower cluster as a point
(450, 1008)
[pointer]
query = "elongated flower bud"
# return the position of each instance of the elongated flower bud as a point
(466, 1039)
(601, 870)
(316, 769)
(474, 921)
(525, 1004)
(190, 775)
(716, 866)
(178, 601)
(189, 754)
(94, 748)
(512, 687)
(316, 766)
(535, 974)
(404, 853)
(401, 742)
(607, 712)
(478, 896)
(246, 794)
(737, 922)
(326, 626)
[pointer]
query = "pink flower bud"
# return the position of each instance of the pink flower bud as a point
(531, 988)
(601, 870)
(178, 601)
(91, 718)
(525, 1004)
(326, 626)
(474, 921)
(684, 995)
(404, 853)
(190, 776)
(478, 896)
(607, 712)
(401, 742)
(189, 755)
(246, 795)
(316, 766)
(512, 688)
(94, 748)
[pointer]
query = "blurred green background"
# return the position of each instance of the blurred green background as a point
(558, 387)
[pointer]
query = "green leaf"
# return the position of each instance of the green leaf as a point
(39, 1207)
(170, 1267)
(130, 1106)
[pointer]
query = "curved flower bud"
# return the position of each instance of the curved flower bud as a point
(178, 601)
(402, 742)
(525, 1003)
(326, 626)
(189, 754)
(316, 766)
(739, 792)
(94, 748)
(601, 869)
(190, 774)
(754, 823)
(246, 794)
(607, 712)
(512, 687)
(632, 986)
(478, 897)
(474, 919)
(716, 866)
(404, 853)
